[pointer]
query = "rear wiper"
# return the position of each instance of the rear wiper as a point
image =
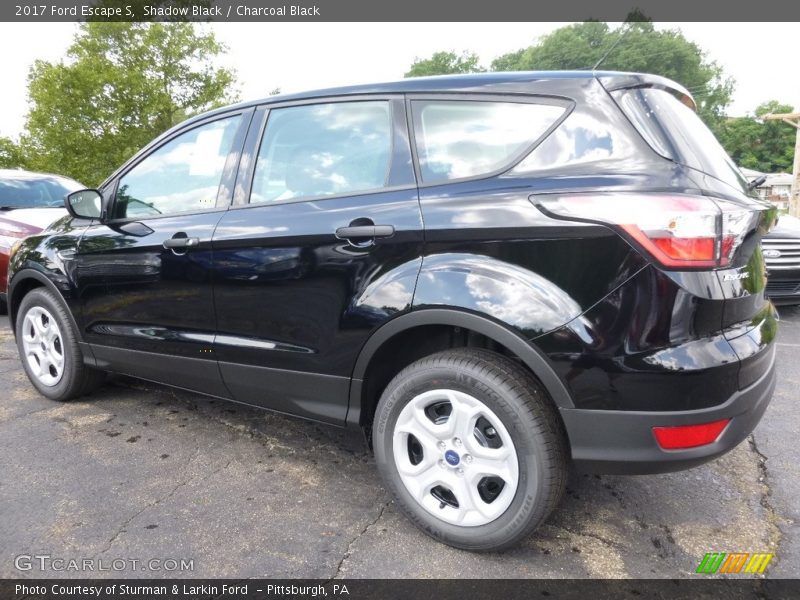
(9, 207)
(756, 182)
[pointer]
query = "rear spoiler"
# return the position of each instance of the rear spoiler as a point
(613, 82)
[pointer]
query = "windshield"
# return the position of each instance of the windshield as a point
(675, 131)
(41, 192)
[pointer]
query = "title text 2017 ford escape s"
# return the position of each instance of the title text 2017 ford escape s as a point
(493, 275)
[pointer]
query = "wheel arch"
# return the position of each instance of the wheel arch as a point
(503, 336)
(23, 282)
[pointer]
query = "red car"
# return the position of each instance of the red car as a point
(29, 203)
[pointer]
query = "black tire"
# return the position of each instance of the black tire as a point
(3, 307)
(77, 378)
(527, 414)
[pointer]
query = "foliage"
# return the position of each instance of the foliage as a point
(10, 154)
(445, 63)
(766, 146)
(121, 86)
(635, 46)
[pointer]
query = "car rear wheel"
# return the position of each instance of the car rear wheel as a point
(49, 349)
(471, 448)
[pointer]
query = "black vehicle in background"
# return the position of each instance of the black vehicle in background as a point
(782, 256)
(492, 275)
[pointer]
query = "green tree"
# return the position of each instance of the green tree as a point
(766, 146)
(445, 63)
(634, 46)
(10, 154)
(121, 85)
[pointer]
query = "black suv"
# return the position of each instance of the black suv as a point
(493, 275)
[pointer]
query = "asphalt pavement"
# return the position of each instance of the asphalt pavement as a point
(138, 473)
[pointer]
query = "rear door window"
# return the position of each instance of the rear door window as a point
(457, 139)
(317, 150)
(676, 132)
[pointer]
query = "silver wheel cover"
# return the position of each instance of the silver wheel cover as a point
(43, 346)
(436, 454)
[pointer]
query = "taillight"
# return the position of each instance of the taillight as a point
(689, 436)
(678, 231)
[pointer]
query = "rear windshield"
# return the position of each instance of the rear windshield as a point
(675, 131)
(35, 193)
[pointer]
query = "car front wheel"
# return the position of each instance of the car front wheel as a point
(49, 351)
(471, 448)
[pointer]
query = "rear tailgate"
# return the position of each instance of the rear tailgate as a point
(663, 114)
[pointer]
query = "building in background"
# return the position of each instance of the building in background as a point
(777, 188)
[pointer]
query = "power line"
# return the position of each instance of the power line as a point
(614, 45)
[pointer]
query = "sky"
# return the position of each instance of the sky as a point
(302, 56)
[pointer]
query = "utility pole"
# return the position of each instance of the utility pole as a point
(792, 119)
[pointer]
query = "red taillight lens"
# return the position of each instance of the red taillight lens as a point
(673, 251)
(689, 436)
(687, 249)
(678, 231)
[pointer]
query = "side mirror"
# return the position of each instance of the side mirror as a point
(85, 204)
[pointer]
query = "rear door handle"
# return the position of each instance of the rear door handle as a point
(174, 243)
(364, 231)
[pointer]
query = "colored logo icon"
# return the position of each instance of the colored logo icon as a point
(734, 562)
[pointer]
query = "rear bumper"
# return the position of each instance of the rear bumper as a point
(613, 441)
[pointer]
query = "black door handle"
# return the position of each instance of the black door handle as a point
(177, 243)
(364, 232)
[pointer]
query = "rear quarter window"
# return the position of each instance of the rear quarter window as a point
(457, 139)
(580, 139)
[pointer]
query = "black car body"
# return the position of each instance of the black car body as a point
(304, 288)
(782, 256)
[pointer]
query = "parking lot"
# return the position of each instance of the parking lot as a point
(141, 472)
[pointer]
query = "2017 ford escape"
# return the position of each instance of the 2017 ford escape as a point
(493, 275)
